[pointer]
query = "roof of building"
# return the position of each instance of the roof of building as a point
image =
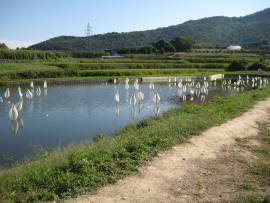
(254, 42)
(234, 47)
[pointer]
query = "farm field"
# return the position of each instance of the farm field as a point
(174, 64)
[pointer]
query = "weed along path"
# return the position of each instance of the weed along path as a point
(208, 168)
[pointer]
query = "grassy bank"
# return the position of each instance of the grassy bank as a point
(257, 174)
(64, 172)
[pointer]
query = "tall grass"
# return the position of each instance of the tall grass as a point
(108, 66)
(64, 172)
(76, 72)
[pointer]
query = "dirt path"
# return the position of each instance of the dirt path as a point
(208, 168)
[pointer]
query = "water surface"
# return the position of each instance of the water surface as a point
(70, 113)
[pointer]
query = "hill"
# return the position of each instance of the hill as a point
(219, 30)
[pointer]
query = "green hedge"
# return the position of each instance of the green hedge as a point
(214, 60)
(107, 66)
(170, 60)
(76, 72)
(32, 54)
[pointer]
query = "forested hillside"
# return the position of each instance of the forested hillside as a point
(218, 30)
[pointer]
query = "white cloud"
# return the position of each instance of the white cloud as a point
(13, 44)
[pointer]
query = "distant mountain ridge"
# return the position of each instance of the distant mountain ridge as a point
(219, 30)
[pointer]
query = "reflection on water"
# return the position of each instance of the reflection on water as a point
(117, 111)
(140, 107)
(156, 110)
(133, 113)
(69, 113)
(14, 125)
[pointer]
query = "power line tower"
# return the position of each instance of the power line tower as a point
(88, 31)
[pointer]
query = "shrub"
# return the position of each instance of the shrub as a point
(238, 65)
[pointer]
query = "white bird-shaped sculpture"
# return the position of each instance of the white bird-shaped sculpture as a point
(206, 84)
(202, 98)
(132, 99)
(38, 91)
(32, 84)
(198, 85)
(151, 86)
(29, 94)
(202, 89)
(19, 105)
(117, 96)
(127, 80)
(224, 82)
(184, 97)
(45, 84)
(20, 92)
(140, 95)
(136, 85)
(184, 88)
(7, 93)
(13, 113)
(180, 84)
(156, 98)
(126, 86)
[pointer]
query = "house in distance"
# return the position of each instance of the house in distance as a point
(256, 45)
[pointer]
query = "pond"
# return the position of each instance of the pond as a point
(62, 114)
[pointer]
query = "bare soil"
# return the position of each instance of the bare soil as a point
(210, 167)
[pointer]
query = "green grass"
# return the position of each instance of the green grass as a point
(260, 171)
(253, 199)
(64, 172)
(248, 185)
(14, 67)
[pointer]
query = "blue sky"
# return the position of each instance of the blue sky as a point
(26, 22)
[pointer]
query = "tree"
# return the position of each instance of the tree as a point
(3, 46)
(183, 43)
(168, 47)
(145, 50)
(238, 65)
(162, 51)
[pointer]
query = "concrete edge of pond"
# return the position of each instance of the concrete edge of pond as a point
(122, 80)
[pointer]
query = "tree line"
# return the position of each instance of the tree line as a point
(178, 44)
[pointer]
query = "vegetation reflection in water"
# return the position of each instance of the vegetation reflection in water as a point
(74, 112)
